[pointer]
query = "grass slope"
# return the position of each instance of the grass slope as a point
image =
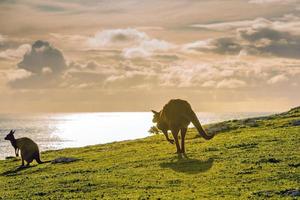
(248, 159)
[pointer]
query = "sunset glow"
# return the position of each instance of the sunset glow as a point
(73, 56)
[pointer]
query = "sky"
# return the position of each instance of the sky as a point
(136, 55)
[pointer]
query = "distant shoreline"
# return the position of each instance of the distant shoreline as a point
(71, 115)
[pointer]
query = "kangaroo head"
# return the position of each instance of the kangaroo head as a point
(10, 136)
(155, 116)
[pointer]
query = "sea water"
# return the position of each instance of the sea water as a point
(63, 130)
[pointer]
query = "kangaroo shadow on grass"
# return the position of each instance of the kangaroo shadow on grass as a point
(188, 165)
(14, 172)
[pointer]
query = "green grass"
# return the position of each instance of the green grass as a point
(246, 160)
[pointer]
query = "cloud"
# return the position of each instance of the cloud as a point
(36, 81)
(17, 75)
(90, 74)
(132, 43)
(225, 26)
(43, 55)
(218, 75)
(280, 37)
(50, 8)
(277, 79)
(122, 76)
(150, 28)
(272, 1)
(231, 83)
(223, 45)
(209, 84)
(288, 22)
(116, 37)
(197, 75)
(45, 67)
(231, 74)
(47, 70)
(2, 39)
(90, 65)
(193, 75)
(42, 66)
(267, 40)
(135, 52)
(129, 74)
(13, 47)
(13, 54)
(83, 79)
(147, 48)
(74, 41)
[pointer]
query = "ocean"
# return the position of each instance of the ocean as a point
(63, 130)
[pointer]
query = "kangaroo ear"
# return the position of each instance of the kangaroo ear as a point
(13, 131)
(154, 112)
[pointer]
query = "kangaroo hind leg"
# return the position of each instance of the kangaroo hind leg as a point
(183, 133)
(175, 132)
(29, 160)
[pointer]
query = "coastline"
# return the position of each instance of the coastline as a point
(248, 158)
(61, 130)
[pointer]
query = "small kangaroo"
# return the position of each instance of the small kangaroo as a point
(176, 115)
(29, 149)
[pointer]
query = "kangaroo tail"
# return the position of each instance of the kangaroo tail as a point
(38, 159)
(201, 131)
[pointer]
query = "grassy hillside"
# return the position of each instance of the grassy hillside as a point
(253, 158)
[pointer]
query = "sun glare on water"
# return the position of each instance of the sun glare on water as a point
(63, 130)
(95, 128)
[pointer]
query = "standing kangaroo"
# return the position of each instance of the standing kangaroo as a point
(176, 115)
(29, 149)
